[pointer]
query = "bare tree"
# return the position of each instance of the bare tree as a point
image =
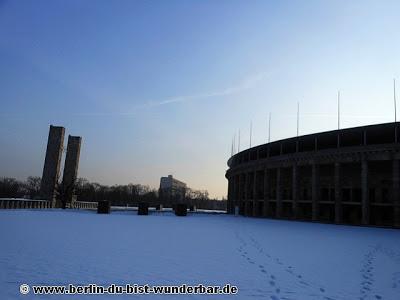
(33, 186)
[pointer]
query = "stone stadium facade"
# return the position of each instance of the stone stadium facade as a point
(348, 176)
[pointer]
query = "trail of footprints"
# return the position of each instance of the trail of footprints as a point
(271, 278)
(396, 280)
(367, 269)
(395, 256)
(367, 274)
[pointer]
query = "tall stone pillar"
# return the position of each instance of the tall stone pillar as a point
(237, 191)
(51, 168)
(364, 192)
(266, 192)
(295, 191)
(396, 191)
(255, 203)
(233, 194)
(246, 184)
(278, 193)
(70, 169)
(232, 201)
(315, 191)
(338, 194)
(240, 193)
(229, 200)
(246, 193)
(364, 137)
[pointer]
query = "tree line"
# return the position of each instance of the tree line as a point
(119, 195)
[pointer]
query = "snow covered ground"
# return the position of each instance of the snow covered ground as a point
(266, 259)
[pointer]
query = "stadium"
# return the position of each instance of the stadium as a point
(347, 176)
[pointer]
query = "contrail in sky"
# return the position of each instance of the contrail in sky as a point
(246, 84)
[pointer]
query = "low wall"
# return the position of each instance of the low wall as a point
(11, 203)
(84, 205)
(18, 203)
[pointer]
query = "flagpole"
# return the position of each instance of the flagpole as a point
(298, 109)
(338, 103)
(394, 99)
(269, 128)
(239, 142)
(395, 110)
(251, 128)
(232, 148)
(234, 142)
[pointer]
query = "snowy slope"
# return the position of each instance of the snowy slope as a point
(266, 259)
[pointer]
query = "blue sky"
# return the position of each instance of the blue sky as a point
(161, 87)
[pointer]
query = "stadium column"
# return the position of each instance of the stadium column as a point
(246, 193)
(338, 194)
(255, 193)
(294, 191)
(234, 193)
(278, 193)
(364, 192)
(232, 205)
(238, 190)
(396, 191)
(240, 193)
(266, 193)
(364, 137)
(315, 190)
(228, 205)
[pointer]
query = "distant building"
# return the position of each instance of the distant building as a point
(172, 189)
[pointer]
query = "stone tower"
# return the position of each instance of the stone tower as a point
(52, 162)
(70, 169)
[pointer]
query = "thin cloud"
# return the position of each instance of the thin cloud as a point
(246, 84)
